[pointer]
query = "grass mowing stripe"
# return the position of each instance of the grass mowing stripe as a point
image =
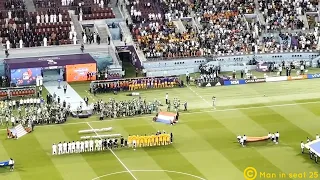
(204, 155)
(100, 162)
(138, 159)
(4, 171)
(116, 156)
(301, 117)
(239, 158)
(165, 155)
(26, 158)
(185, 113)
(289, 134)
(70, 166)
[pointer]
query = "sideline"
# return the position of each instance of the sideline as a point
(197, 112)
(128, 170)
(175, 172)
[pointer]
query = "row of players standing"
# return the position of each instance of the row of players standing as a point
(86, 146)
(134, 84)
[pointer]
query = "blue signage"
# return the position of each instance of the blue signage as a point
(312, 76)
(234, 82)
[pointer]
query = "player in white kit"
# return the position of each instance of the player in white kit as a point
(242, 142)
(214, 102)
(86, 146)
(96, 145)
(302, 147)
(73, 147)
(81, 146)
(65, 148)
(100, 145)
(77, 147)
(54, 149)
(91, 145)
(59, 148)
(69, 147)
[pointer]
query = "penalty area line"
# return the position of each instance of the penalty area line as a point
(128, 170)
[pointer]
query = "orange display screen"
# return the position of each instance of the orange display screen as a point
(79, 72)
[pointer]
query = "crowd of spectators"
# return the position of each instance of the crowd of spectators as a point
(225, 26)
(20, 28)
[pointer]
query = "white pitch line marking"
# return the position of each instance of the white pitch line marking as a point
(199, 95)
(197, 112)
(128, 170)
(176, 172)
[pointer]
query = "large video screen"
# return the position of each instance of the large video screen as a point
(78, 72)
(27, 76)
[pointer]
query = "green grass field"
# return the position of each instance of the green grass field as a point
(204, 145)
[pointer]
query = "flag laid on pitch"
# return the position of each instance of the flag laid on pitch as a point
(166, 117)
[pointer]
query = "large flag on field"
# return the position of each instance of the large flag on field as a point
(166, 117)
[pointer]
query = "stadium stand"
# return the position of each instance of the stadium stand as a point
(46, 27)
(228, 27)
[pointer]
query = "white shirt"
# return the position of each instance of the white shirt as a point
(238, 137)
(100, 142)
(272, 136)
(65, 145)
(269, 135)
(91, 142)
(54, 147)
(244, 138)
(241, 140)
(86, 143)
(73, 145)
(60, 146)
(78, 144)
(82, 144)
(277, 135)
(317, 137)
(96, 142)
(167, 96)
(302, 145)
(69, 145)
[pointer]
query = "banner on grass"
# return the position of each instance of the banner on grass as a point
(260, 80)
(234, 82)
(290, 78)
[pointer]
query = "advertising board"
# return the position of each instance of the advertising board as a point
(25, 76)
(291, 78)
(78, 72)
(276, 79)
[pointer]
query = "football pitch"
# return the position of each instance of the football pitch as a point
(204, 147)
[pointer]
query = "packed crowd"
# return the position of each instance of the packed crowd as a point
(35, 111)
(20, 28)
(226, 27)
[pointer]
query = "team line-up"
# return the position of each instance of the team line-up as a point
(159, 139)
